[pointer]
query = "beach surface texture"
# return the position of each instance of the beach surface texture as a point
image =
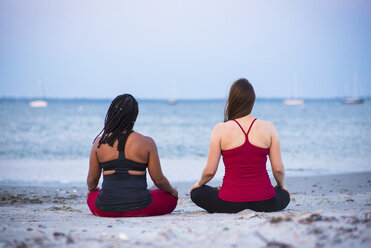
(325, 211)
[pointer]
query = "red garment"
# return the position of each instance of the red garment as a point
(246, 178)
(162, 203)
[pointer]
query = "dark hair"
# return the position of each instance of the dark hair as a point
(120, 117)
(240, 100)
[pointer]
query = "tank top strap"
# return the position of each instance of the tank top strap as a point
(240, 127)
(122, 143)
(251, 126)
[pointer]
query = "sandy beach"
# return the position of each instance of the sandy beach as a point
(325, 211)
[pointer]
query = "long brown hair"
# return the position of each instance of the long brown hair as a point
(240, 100)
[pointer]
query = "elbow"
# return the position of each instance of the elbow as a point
(92, 182)
(159, 181)
(209, 173)
(279, 171)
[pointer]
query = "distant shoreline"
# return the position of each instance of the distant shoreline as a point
(82, 99)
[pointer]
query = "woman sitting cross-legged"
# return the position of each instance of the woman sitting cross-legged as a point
(124, 156)
(244, 142)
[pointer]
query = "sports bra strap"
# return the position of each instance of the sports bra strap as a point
(240, 127)
(251, 126)
(123, 139)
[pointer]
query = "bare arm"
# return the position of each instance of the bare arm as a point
(212, 160)
(155, 171)
(94, 169)
(276, 160)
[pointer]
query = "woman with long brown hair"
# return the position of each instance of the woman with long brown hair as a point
(244, 142)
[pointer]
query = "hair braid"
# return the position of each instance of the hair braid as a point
(120, 118)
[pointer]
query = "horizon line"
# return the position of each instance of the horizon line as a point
(163, 99)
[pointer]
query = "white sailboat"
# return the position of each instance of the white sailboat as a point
(39, 103)
(172, 100)
(293, 100)
(355, 99)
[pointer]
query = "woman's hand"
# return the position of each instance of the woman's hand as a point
(197, 185)
(283, 187)
(96, 189)
(174, 193)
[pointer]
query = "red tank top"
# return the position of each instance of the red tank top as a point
(246, 178)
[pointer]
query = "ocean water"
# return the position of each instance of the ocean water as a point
(52, 144)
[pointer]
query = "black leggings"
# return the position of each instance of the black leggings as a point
(206, 197)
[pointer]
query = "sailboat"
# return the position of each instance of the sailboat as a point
(172, 100)
(39, 103)
(355, 99)
(293, 100)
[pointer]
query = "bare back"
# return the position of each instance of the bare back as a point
(233, 136)
(135, 150)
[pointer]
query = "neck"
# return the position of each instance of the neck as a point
(246, 117)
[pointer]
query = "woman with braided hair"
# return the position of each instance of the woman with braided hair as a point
(124, 155)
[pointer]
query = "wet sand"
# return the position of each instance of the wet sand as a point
(325, 211)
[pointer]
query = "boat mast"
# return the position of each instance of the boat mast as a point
(355, 86)
(41, 85)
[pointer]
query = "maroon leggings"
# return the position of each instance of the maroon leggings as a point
(162, 203)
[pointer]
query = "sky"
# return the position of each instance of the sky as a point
(161, 49)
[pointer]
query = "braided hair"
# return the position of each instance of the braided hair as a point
(120, 119)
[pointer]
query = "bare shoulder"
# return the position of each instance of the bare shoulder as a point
(142, 140)
(265, 126)
(223, 128)
(96, 143)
